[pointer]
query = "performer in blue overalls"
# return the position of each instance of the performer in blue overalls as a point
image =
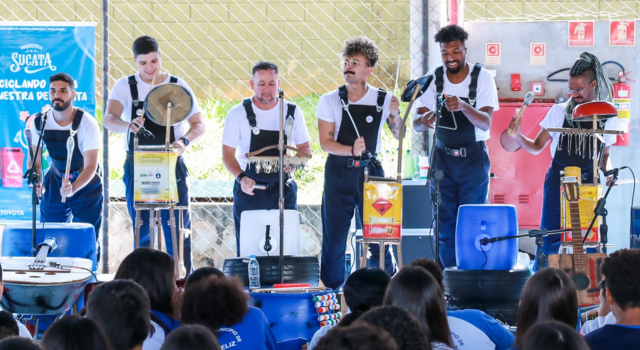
(124, 115)
(468, 96)
(348, 154)
(83, 191)
(251, 126)
(587, 82)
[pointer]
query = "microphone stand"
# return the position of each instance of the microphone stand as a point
(538, 234)
(33, 178)
(281, 151)
(600, 210)
(438, 175)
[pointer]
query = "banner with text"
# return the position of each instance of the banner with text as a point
(29, 55)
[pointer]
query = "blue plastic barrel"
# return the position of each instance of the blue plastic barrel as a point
(635, 228)
(75, 240)
(290, 315)
(476, 222)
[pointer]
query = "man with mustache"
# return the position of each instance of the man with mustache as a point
(587, 82)
(83, 189)
(468, 96)
(351, 148)
(251, 126)
(124, 115)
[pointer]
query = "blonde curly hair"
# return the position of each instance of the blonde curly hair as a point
(361, 45)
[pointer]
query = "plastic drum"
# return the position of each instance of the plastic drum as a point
(476, 222)
(635, 228)
(75, 240)
(291, 315)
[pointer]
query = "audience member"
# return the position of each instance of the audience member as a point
(18, 343)
(75, 333)
(605, 316)
(553, 335)
(403, 327)
(220, 304)
(121, 308)
(415, 290)
(622, 283)
(191, 338)
(8, 325)
(202, 273)
(549, 295)
(470, 329)
(22, 329)
(357, 337)
(154, 271)
(363, 290)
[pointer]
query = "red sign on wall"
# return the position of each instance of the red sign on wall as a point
(622, 33)
(492, 54)
(581, 33)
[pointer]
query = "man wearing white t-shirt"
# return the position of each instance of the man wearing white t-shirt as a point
(251, 126)
(124, 115)
(83, 188)
(587, 82)
(467, 96)
(350, 122)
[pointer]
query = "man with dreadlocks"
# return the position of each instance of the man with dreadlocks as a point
(587, 82)
(350, 122)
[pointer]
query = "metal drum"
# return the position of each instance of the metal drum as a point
(49, 291)
(75, 240)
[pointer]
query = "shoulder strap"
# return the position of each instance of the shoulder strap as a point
(439, 79)
(77, 119)
(250, 115)
(473, 87)
(382, 93)
(173, 80)
(291, 110)
(133, 87)
(342, 92)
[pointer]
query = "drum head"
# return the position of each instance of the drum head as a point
(158, 98)
(600, 109)
(508, 143)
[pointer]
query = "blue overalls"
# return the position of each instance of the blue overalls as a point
(181, 177)
(465, 163)
(268, 198)
(551, 196)
(343, 191)
(85, 205)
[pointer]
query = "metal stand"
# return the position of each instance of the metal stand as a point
(539, 235)
(436, 174)
(363, 244)
(33, 179)
(281, 151)
(600, 210)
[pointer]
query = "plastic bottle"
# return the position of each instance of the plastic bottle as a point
(254, 273)
(408, 166)
(387, 162)
(424, 166)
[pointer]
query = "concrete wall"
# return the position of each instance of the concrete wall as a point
(515, 38)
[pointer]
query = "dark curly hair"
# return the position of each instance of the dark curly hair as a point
(432, 268)
(13, 343)
(203, 273)
(8, 325)
(451, 33)
(215, 302)
(191, 338)
(622, 277)
(357, 337)
(553, 335)
(75, 333)
(402, 326)
(549, 295)
(361, 45)
(365, 289)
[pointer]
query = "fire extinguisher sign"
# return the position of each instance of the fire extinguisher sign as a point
(581, 33)
(622, 33)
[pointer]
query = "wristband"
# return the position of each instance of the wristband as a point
(353, 154)
(240, 177)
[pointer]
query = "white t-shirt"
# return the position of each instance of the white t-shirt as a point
(318, 335)
(467, 336)
(237, 131)
(486, 94)
(23, 332)
(555, 119)
(598, 323)
(155, 341)
(122, 93)
(89, 134)
(330, 110)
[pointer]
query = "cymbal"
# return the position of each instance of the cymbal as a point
(600, 109)
(158, 98)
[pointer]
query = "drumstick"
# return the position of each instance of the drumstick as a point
(71, 144)
(397, 75)
(528, 98)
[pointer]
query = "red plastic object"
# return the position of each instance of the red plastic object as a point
(11, 159)
(518, 177)
(586, 111)
(516, 83)
(291, 285)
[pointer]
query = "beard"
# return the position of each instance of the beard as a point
(266, 99)
(457, 70)
(60, 107)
